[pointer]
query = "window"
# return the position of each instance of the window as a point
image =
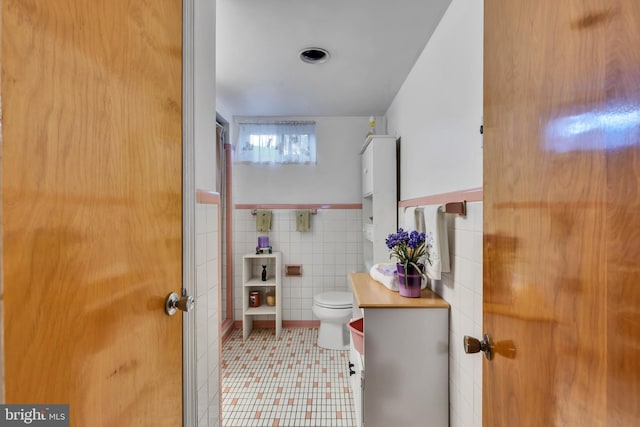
(276, 142)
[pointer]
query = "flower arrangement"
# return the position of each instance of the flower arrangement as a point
(410, 249)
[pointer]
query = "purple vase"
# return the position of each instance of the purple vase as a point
(410, 287)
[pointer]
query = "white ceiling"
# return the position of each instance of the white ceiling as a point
(373, 45)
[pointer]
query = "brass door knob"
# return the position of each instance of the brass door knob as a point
(473, 345)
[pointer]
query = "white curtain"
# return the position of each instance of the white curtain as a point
(276, 142)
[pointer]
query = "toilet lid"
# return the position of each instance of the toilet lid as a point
(334, 299)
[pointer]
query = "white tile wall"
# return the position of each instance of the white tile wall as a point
(333, 248)
(207, 316)
(462, 289)
(328, 252)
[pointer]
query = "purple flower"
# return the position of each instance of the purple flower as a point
(409, 247)
(415, 239)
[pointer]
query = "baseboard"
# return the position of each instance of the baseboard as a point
(300, 323)
(226, 329)
(264, 324)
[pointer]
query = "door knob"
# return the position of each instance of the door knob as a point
(175, 303)
(473, 345)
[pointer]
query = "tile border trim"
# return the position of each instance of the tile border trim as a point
(299, 206)
(206, 197)
(471, 195)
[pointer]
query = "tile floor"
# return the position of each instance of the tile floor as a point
(285, 382)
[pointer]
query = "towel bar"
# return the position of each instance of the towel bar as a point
(313, 211)
(459, 208)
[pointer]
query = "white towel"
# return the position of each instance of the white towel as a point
(385, 273)
(435, 224)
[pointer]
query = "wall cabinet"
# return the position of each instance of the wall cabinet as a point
(379, 197)
(252, 267)
(402, 379)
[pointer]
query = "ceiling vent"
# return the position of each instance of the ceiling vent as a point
(314, 55)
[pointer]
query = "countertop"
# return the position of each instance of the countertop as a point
(370, 293)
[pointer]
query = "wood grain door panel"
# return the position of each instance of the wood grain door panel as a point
(92, 207)
(561, 203)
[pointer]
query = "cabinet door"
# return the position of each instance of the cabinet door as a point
(356, 375)
(367, 173)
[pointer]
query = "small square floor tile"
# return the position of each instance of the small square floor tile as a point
(285, 382)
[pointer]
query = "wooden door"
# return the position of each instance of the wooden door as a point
(562, 212)
(92, 207)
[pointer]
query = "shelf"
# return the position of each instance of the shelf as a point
(263, 309)
(379, 198)
(271, 281)
(368, 232)
(252, 280)
(257, 256)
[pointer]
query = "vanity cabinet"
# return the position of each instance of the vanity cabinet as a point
(403, 373)
(252, 281)
(379, 197)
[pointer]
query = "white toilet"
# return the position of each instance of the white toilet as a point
(334, 309)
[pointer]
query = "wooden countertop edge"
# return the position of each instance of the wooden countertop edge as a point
(370, 293)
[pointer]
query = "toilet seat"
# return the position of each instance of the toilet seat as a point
(335, 300)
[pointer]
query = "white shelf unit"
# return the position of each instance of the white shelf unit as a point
(379, 197)
(252, 281)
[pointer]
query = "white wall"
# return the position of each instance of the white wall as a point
(334, 179)
(206, 221)
(327, 253)
(437, 113)
(333, 246)
(462, 289)
(438, 110)
(207, 315)
(226, 114)
(205, 93)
